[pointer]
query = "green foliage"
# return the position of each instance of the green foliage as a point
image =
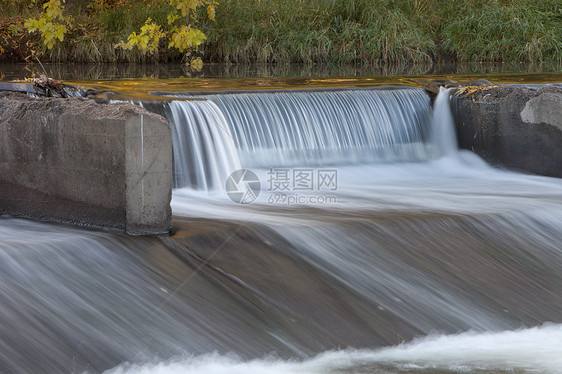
(51, 24)
(14, 8)
(338, 31)
(386, 31)
(122, 18)
(514, 31)
(362, 32)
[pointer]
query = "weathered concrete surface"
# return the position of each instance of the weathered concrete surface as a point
(514, 127)
(72, 160)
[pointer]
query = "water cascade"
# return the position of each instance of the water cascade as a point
(203, 147)
(423, 260)
(286, 129)
(443, 131)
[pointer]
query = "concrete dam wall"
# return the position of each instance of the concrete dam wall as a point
(515, 127)
(75, 161)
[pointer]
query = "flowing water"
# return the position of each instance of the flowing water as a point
(357, 239)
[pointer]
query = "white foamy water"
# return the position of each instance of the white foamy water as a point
(534, 350)
(454, 182)
(460, 184)
(449, 181)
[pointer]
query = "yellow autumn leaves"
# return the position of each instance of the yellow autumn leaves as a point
(147, 40)
(182, 31)
(51, 24)
(183, 36)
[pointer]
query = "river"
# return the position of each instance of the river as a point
(355, 239)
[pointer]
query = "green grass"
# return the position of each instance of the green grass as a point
(385, 31)
(365, 32)
(19, 8)
(315, 31)
(123, 20)
(519, 31)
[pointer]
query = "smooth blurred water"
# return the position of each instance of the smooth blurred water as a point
(204, 151)
(429, 269)
(464, 259)
(218, 134)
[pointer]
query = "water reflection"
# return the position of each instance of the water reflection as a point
(166, 71)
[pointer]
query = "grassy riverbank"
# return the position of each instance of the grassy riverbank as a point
(309, 31)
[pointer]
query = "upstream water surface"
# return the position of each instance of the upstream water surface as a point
(357, 239)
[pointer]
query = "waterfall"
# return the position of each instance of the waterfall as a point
(443, 133)
(203, 149)
(320, 128)
(217, 134)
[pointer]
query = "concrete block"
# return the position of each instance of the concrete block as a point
(513, 127)
(98, 165)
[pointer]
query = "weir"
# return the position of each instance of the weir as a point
(215, 135)
(418, 241)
